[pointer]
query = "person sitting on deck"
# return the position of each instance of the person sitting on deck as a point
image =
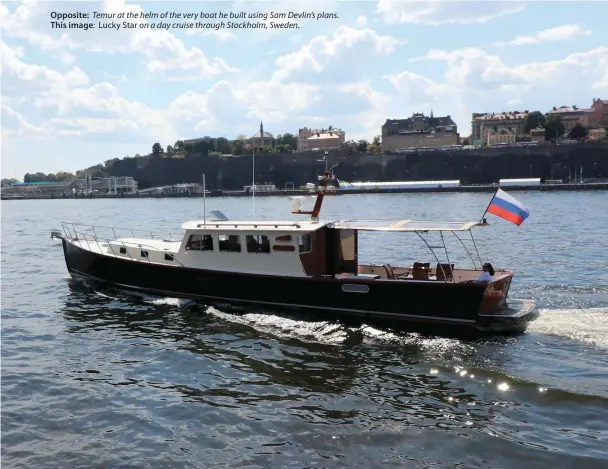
(487, 275)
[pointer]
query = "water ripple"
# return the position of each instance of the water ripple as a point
(112, 379)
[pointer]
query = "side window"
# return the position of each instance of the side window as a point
(304, 243)
(257, 243)
(194, 242)
(207, 243)
(229, 243)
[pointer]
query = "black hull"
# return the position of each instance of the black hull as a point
(390, 302)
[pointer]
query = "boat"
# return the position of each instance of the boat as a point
(309, 265)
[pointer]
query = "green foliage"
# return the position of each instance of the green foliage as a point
(533, 120)
(287, 139)
(157, 150)
(578, 132)
(215, 154)
(222, 145)
(7, 182)
(554, 127)
(362, 145)
(375, 146)
(237, 147)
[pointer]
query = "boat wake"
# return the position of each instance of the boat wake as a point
(588, 325)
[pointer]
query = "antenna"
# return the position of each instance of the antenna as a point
(204, 201)
(253, 185)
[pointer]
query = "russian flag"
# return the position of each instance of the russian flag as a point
(505, 206)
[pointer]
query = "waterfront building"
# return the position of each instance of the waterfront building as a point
(571, 116)
(483, 124)
(504, 136)
(262, 139)
(113, 185)
(206, 138)
(598, 114)
(321, 139)
(419, 131)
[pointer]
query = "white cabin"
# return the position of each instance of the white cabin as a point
(263, 247)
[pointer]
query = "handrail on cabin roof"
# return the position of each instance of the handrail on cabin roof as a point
(255, 225)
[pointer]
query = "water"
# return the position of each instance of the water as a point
(112, 379)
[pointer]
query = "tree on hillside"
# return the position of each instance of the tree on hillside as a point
(533, 120)
(179, 146)
(238, 147)
(63, 176)
(287, 139)
(7, 182)
(222, 145)
(157, 149)
(578, 132)
(375, 145)
(170, 150)
(554, 127)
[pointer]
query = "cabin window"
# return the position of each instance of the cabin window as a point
(229, 243)
(259, 243)
(144, 254)
(168, 257)
(194, 242)
(304, 243)
(123, 250)
(283, 238)
(198, 242)
(207, 243)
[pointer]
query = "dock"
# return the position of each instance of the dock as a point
(598, 186)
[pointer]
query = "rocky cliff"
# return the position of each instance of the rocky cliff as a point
(470, 167)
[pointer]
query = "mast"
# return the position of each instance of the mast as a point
(204, 202)
(321, 191)
(253, 185)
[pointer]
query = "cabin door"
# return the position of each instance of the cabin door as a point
(345, 251)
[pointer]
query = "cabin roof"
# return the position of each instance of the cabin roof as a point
(405, 225)
(255, 225)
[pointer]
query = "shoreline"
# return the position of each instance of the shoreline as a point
(296, 192)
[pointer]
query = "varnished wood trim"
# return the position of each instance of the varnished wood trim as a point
(283, 248)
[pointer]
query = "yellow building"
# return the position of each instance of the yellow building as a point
(322, 139)
(483, 124)
(504, 136)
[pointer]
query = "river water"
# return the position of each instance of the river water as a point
(116, 380)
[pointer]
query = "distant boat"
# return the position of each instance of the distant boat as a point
(310, 265)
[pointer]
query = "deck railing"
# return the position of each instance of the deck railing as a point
(90, 234)
(116, 232)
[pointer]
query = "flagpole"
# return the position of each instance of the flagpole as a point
(253, 186)
(204, 203)
(486, 211)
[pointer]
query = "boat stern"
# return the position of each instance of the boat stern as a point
(499, 314)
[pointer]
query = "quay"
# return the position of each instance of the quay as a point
(590, 186)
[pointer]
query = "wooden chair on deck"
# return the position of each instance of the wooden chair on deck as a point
(421, 270)
(390, 275)
(445, 272)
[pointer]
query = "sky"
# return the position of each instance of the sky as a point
(73, 98)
